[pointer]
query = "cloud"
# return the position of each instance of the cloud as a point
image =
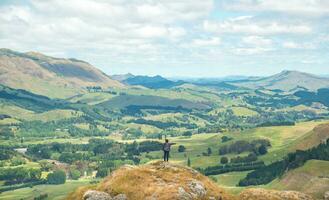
(248, 25)
(256, 41)
(214, 41)
(127, 34)
(294, 45)
(250, 51)
(313, 8)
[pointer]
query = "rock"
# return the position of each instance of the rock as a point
(96, 195)
(183, 195)
(120, 197)
(326, 196)
(197, 189)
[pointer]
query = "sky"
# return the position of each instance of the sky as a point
(185, 38)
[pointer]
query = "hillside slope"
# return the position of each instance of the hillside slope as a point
(312, 179)
(45, 75)
(167, 181)
(287, 81)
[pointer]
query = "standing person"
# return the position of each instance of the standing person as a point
(166, 150)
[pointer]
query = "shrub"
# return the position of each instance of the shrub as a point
(56, 177)
(181, 148)
(223, 160)
(75, 174)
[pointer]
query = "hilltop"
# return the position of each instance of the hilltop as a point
(53, 77)
(162, 181)
(286, 81)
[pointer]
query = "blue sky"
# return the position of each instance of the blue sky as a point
(208, 38)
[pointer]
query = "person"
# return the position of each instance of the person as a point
(166, 150)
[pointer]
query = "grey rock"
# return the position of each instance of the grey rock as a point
(120, 197)
(183, 195)
(326, 195)
(96, 195)
(197, 189)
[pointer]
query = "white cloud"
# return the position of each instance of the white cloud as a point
(252, 26)
(256, 41)
(292, 7)
(294, 45)
(215, 41)
(250, 51)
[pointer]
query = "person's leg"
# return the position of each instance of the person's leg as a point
(167, 156)
(164, 155)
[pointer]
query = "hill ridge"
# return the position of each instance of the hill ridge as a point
(50, 76)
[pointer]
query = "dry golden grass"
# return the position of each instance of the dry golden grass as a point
(318, 135)
(262, 194)
(158, 180)
(161, 181)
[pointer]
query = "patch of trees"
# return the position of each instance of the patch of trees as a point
(5, 154)
(306, 97)
(3, 116)
(94, 88)
(19, 175)
(47, 129)
(251, 157)
(277, 123)
(268, 173)
(226, 139)
(163, 125)
(256, 146)
(102, 151)
(136, 110)
(56, 177)
(220, 169)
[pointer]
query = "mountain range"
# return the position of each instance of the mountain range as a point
(63, 78)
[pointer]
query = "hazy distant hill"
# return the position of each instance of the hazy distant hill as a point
(53, 77)
(154, 82)
(287, 81)
(122, 77)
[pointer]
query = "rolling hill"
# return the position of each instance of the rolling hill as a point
(153, 82)
(53, 77)
(286, 81)
(312, 178)
(123, 101)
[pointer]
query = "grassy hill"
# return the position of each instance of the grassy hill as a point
(123, 101)
(53, 77)
(312, 178)
(154, 82)
(286, 81)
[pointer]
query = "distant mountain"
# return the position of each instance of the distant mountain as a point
(45, 75)
(286, 81)
(153, 82)
(122, 77)
(214, 80)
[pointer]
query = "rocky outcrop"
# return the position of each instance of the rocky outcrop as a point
(167, 181)
(96, 195)
(157, 181)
